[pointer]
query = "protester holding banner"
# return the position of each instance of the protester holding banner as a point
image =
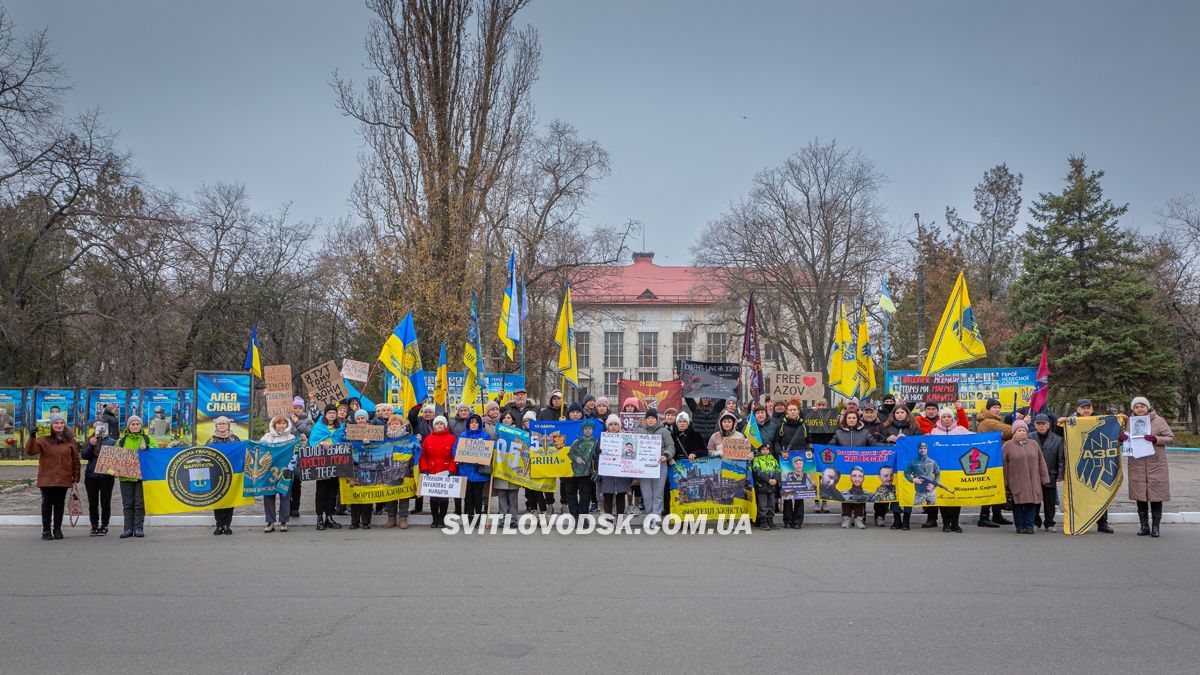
(397, 509)
(1149, 480)
(554, 411)
(948, 425)
(1084, 408)
(437, 457)
(222, 434)
(58, 470)
(280, 431)
(477, 475)
(726, 428)
(613, 489)
(791, 434)
(133, 501)
(989, 419)
(705, 416)
(1025, 474)
(1056, 466)
(851, 433)
(328, 431)
(899, 423)
(871, 420)
(99, 485)
(506, 492)
(688, 444)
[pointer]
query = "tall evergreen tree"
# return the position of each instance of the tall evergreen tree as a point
(1084, 292)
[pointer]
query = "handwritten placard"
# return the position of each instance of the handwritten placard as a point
(736, 447)
(474, 451)
(119, 462)
(358, 371)
(807, 387)
(278, 378)
(325, 383)
(442, 486)
(278, 403)
(365, 432)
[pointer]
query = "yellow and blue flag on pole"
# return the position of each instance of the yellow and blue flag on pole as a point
(564, 337)
(441, 381)
(510, 311)
(885, 300)
(957, 340)
(402, 356)
(843, 359)
(253, 360)
(866, 362)
(753, 432)
(1093, 475)
(199, 478)
(471, 386)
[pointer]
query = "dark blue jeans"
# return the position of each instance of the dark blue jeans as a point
(1024, 515)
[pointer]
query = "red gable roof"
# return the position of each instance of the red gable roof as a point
(643, 282)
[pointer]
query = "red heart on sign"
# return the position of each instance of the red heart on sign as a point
(810, 381)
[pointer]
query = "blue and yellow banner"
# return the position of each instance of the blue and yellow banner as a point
(98, 399)
(222, 394)
(12, 410)
(856, 474)
(268, 468)
(513, 460)
(199, 478)
(383, 472)
(557, 448)
(1093, 475)
(47, 402)
(965, 470)
(797, 471)
(711, 486)
(977, 385)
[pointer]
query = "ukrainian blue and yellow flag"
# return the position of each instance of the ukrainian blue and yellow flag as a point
(253, 360)
(963, 470)
(199, 478)
(510, 311)
(885, 299)
(957, 340)
(402, 356)
(441, 381)
(471, 386)
(753, 432)
(564, 337)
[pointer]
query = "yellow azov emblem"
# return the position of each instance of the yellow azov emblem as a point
(412, 359)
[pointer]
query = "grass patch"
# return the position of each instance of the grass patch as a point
(1186, 440)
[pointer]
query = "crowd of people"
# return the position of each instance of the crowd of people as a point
(1033, 461)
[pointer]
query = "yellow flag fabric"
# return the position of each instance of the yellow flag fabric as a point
(1093, 471)
(471, 388)
(843, 367)
(441, 380)
(866, 364)
(509, 328)
(564, 337)
(957, 339)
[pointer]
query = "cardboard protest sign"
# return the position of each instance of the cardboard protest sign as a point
(630, 455)
(119, 462)
(808, 387)
(278, 378)
(709, 380)
(736, 447)
(358, 371)
(442, 486)
(474, 451)
(316, 462)
(365, 432)
(278, 403)
(325, 383)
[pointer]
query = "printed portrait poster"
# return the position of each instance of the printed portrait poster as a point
(630, 455)
(50, 401)
(12, 405)
(797, 479)
(856, 474)
(711, 486)
(631, 422)
(160, 413)
(965, 470)
(222, 394)
(187, 408)
(99, 399)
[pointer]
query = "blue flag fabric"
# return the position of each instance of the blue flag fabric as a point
(269, 468)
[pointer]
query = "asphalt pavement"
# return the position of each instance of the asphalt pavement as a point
(818, 599)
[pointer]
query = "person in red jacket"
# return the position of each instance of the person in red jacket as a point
(930, 419)
(437, 456)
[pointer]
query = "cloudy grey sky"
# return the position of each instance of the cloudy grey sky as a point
(691, 98)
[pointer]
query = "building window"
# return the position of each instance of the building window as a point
(648, 376)
(681, 348)
(772, 354)
(611, 381)
(583, 349)
(718, 346)
(647, 350)
(614, 350)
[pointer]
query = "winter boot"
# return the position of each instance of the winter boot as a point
(858, 522)
(391, 522)
(845, 522)
(1154, 526)
(1144, 518)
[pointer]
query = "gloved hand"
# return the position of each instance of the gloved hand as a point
(1151, 437)
(1123, 437)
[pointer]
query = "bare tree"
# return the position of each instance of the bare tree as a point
(988, 246)
(808, 235)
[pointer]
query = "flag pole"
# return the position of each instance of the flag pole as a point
(886, 335)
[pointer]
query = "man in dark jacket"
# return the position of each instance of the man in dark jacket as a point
(1054, 452)
(555, 410)
(520, 405)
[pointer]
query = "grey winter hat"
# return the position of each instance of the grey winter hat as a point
(57, 417)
